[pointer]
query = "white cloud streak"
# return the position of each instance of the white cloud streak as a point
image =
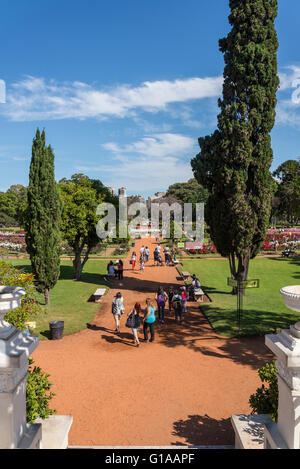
(36, 99)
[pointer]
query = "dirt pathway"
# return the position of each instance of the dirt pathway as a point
(181, 389)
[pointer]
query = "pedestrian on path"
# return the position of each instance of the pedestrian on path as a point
(146, 254)
(133, 260)
(170, 295)
(142, 263)
(120, 270)
(135, 322)
(161, 299)
(111, 269)
(177, 305)
(184, 298)
(149, 320)
(117, 310)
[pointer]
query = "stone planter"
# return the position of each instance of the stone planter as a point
(10, 299)
(291, 296)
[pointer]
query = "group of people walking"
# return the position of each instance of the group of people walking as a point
(143, 258)
(115, 270)
(135, 317)
(175, 299)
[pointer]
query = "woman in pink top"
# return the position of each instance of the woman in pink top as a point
(184, 298)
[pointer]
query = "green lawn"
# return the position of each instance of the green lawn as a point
(263, 308)
(69, 298)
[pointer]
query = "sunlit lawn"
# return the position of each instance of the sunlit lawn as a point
(263, 308)
(69, 298)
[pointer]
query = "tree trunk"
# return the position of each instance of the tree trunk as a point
(47, 296)
(77, 266)
(239, 272)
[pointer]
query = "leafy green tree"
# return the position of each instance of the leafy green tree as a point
(43, 217)
(188, 192)
(234, 162)
(288, 191)
(20, 192)
(79, 219)
(8, 208)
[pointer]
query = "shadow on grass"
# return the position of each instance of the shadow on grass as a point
(67, 273)
(46, 334)
(295, 261)
(200, 430)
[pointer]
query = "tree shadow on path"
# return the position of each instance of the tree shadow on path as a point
(200, 430)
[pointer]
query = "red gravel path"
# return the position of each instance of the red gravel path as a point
(181, 389)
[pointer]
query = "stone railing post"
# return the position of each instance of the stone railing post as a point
(15, 350)
(285, 434)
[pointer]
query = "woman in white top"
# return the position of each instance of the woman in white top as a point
(117, 310)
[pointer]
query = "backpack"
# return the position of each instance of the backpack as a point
(161, 300)
(130, 321)
(177, 303)
(114, 308)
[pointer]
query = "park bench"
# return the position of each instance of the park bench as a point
(199, 295)
(185, 275)
(98, 294)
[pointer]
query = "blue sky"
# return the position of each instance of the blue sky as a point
(124, 88)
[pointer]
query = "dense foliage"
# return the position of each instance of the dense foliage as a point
(288, 191)
(38, 394)
(265, 400)
(30, 307)
(234, 162)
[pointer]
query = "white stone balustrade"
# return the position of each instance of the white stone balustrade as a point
(15, 350)
(285, 434)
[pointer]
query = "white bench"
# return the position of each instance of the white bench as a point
(185, 275)
(199, 295)
(98, 294)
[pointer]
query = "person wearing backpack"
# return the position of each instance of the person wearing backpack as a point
(177, 305)
(134, 322)
(184, 298)
(161, 298)
(117, 310)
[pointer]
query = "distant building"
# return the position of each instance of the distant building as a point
(157, 195)
(112, 190)
(122, 192)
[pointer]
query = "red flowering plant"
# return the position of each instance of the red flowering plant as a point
(30, 307)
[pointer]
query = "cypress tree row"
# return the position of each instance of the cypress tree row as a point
(234, 162)
(43, 217)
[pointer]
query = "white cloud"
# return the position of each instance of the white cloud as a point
(148, 165)
(36, 99)
(156, 146)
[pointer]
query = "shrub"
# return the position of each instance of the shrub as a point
(265, 400)
(38, 394)
(30, 307)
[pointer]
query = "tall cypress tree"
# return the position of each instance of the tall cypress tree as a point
(43, 217)
(234, 162)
